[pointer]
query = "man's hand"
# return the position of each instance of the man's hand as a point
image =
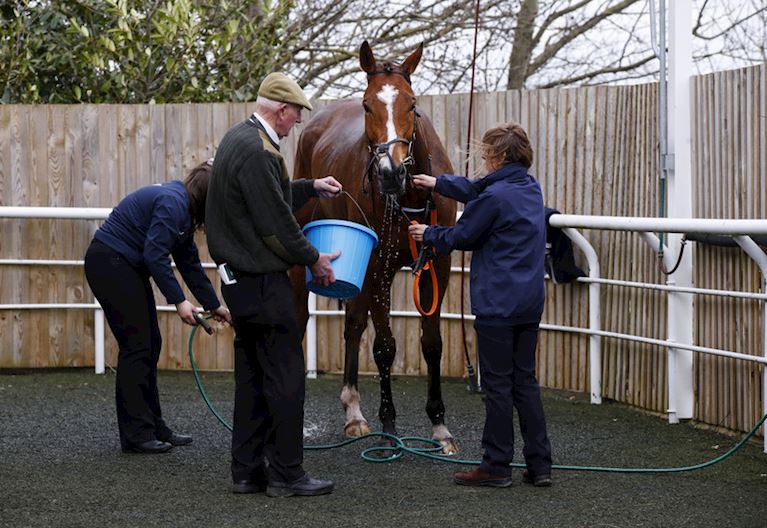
(186, 311)
(424, 181)
(222, 315)
(416, 231)
(322, 271)
(328, 187)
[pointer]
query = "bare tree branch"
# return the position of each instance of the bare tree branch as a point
(574, 33)
(596, 73)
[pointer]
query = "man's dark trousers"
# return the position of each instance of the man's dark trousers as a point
(507, 366)
(269, 379)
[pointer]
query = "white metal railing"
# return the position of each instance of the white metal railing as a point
(645, 226)
(677, 370)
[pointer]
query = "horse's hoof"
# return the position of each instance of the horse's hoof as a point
(386, 448)
(449, 447)
(356, 428)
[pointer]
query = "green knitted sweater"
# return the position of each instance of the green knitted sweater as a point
(249, 219)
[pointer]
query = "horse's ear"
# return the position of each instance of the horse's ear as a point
(413, 59)
(367, 60)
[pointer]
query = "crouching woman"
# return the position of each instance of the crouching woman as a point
(135, 243)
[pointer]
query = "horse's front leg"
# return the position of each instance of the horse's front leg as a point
(384, 345)
(431, 346)
(355, 324)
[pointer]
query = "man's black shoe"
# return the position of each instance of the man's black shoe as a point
(176, 439)
(304, 487)
(539, 481)
(248, 486)
(149, 448)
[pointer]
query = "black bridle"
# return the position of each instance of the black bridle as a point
(378, 150)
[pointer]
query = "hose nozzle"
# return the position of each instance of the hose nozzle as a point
(201, 317)
(472, 385)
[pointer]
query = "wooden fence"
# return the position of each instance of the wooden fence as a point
(596, 153)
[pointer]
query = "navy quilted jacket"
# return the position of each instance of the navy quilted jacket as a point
(503, 225)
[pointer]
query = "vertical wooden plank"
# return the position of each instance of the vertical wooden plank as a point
(452, 138)
(20, 163)
(8, 276)
(156, 156)
(37, 236)
(59, 334)
(76, 235)
(143, 131)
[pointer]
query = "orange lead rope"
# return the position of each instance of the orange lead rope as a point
(417, 273)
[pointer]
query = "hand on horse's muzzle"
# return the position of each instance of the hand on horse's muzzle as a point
(424, 181)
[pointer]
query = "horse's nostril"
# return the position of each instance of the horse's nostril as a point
(392, 182)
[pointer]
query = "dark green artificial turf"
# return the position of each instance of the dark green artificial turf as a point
(60, 464)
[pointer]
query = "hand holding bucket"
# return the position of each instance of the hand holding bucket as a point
(322, 270)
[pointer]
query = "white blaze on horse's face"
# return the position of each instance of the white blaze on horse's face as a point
(387, 95)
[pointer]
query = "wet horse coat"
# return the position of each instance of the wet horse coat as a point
(372, 147)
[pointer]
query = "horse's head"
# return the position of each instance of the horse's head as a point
(390, 117)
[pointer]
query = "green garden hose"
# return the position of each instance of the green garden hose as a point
(398, 445)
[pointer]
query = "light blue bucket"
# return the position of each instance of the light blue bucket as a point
(355, 242)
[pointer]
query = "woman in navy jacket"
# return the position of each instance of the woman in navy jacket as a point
(503, 225)
(135, 243)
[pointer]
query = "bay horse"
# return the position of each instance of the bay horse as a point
(372, 147)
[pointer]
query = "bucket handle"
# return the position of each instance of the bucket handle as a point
(354, 202)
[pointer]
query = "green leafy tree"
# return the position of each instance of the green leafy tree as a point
(120, 51)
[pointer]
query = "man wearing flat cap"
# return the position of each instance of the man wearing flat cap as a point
(254, 238)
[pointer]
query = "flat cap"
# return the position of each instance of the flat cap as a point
(279, 87)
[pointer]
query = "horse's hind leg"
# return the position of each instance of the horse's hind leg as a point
(431, 346)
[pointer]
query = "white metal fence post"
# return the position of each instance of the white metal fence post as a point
(98, 338)
(680, 392)
(680, 305)
(311, 338)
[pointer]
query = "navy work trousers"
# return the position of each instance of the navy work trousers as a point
(269, 379)
(126, 297)
(507, 363)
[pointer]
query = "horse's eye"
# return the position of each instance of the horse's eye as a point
(366, 107)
